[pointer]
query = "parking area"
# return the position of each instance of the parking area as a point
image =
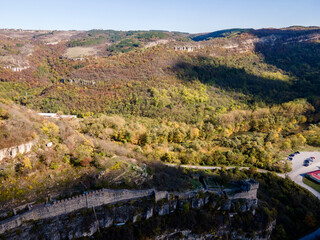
(299, 159)
(299, 170)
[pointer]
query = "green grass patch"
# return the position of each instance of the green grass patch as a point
(310, 183)
(195, 184)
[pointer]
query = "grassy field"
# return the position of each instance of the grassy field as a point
(80, 52)
(310, 183)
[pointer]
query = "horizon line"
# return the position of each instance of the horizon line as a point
(160, 30)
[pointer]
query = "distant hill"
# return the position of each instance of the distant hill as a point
(221, 33)
(264, 65)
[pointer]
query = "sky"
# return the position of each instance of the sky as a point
(173, 15)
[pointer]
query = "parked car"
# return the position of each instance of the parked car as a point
(312, 157)
(306, 164)
(291, 155)
(290, 158)
(297, 152)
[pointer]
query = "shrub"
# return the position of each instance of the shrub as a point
(50, 129)
(186, 207)
(83, 154)
(99, 161)
(86, 162)
(4, 115)
(54, 165)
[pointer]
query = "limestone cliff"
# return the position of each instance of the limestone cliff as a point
(12, 152)
(91, 200)
(86, 222)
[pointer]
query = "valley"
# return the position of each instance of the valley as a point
(159, 111)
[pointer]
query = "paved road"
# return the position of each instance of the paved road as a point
(209, 167)
(297, 173)
(200, 167)
(298, 170)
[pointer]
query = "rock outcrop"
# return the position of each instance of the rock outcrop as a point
(79, 81)
(189, 48)
(12, 152)
(65, 206)
(245, 199)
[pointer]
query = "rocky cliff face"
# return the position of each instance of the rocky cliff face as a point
(87, 221)
(221, 234)
(66, 206)
(79, 81)
(12, 152)
(248, 43)
(244, 191)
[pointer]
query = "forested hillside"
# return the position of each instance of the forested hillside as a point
(239, 97)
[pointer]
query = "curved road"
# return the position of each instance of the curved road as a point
(296, 175)
(209, 167)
